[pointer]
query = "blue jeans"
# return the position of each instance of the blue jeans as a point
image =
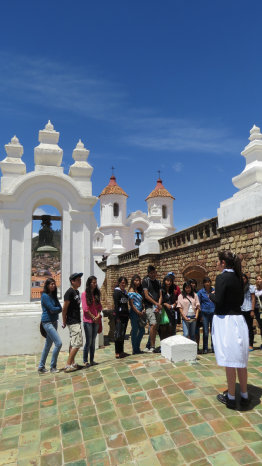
(51, 337)
(91, 330)
(207, 321)
(137, 332)
(189, 329)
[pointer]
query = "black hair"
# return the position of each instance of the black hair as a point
(139, 289)
(232, 261)
(46, 290)
(121, 279)
(171, 288)
(192, 280)
(92, 293)
(184, 294)
(151, 268)
(207, 280)
(246, 285)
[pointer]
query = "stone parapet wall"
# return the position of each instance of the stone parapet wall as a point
(191, 253)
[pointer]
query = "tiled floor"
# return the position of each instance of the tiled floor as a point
(141, 410)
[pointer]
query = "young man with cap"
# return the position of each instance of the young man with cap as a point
(72, 318)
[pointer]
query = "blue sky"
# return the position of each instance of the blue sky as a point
(147, 85)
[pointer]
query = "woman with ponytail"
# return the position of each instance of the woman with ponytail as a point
(229, 329)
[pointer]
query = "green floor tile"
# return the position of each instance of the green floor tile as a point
(202, 430)
(162, 442)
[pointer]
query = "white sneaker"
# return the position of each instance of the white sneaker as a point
(70, 369)
(146, 350)
(151, 350)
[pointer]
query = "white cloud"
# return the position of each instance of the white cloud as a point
(55, 85)
(176, 135)
(40, 211)
(34, 234)
(178, 166)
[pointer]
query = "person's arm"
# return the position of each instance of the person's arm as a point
(197, 305)
(116, 298)
(217, 297)
(151, 300)
(86, 311)
(180, 309)
(253, 302)
(48, 303)
(99, 309)
(140, 313)
(64, 312)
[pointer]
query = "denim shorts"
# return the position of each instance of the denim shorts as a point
(76, 337)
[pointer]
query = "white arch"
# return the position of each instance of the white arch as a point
(16, 209)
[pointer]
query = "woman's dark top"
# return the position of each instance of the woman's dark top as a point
(229, 294)
(121, 303)
(169, 298)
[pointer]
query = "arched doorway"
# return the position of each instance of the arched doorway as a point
(46, 249)
(195, 271)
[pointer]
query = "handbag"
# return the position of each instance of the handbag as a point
(164, 317)
(120, 331)
(100, 328)
(142, 320)
(42, 330)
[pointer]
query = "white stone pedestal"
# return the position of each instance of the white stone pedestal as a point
(178, 348)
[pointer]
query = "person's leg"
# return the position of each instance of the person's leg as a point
(242, 377)
(134, 331)
(192, 330)
(231, 380)
(88, 335)
(72, 355)
(210, 323)
(141, 333)
(205, 320)
(249, 321)
(124, 324)
(259, 321)
(48, 344)
(93, 341)
(76, 341)
(153, 331)
(58, 345)
(185, 328)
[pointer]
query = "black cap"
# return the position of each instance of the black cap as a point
(73, 276)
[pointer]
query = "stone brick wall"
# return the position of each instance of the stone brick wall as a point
(192, 253)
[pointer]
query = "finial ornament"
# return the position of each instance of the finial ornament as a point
(158, 171)
(14, 140)
(113, 168)
(80, 145)
(49, 126)
(255, 133)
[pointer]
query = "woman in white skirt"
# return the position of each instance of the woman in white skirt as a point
(229, 329)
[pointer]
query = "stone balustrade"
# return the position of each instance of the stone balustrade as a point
(129, 256)
(204, 231)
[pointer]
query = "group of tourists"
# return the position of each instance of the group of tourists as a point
(71, 317)
(226, 311)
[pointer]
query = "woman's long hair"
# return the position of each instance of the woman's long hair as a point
(171, 288)
(92, 293)
(246, 286)
(184, 294)
(46, 290)
(232, 261)
(139, 289)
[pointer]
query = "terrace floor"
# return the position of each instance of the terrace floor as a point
(141, 410)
